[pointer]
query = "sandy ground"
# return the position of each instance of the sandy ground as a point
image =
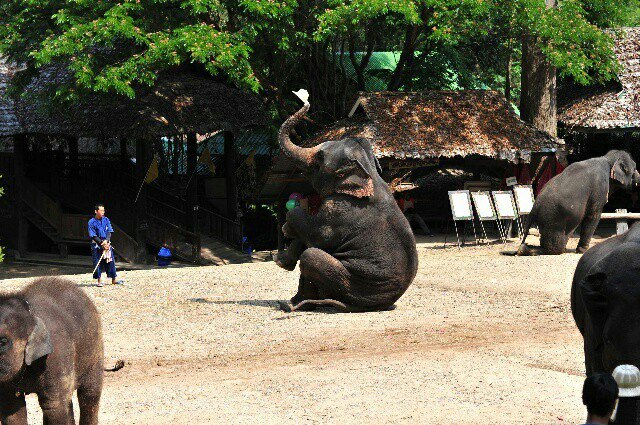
(478, 338)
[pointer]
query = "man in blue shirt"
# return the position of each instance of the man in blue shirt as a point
(100, 231)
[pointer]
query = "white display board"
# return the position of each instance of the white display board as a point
(505, 207)
(524, 198)
(484, 206)
(460, 205)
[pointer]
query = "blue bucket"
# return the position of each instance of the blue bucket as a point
(164, 257)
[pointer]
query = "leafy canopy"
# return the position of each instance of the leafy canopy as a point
(110, 45)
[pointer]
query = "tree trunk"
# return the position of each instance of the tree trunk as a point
(230, 176)
(538, 99)
(192, 189)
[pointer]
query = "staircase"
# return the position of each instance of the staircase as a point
(43, 225)
(111, 181)
(67, 229)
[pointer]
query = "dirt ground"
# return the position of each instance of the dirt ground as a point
(478, 338)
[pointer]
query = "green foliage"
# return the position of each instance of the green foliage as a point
(277, 46)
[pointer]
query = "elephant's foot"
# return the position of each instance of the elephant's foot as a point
(523, 250)
(581, 249)
(283, 260)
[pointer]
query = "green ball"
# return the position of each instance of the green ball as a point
(291, 204)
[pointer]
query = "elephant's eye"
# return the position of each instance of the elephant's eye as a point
(4, 342)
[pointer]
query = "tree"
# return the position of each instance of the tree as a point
(277, 46)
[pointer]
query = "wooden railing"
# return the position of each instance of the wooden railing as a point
(46, 207)
(173, 209)
(220, 227)
(182, 243)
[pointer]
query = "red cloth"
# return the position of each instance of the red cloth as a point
(520, 172)
(314, 203)
(552, 169)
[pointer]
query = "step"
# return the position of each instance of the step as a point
(213, 251)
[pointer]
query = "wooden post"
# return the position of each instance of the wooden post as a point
(622, 225)
(142, 164)
(192, 189)
(281, 212)
(19, 154)
(73, 154)
(123, 149)
(230, 176)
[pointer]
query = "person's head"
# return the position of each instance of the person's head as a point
(99, 210)
(599, 394)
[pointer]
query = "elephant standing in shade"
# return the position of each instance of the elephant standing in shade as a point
(358, 252)
(605, 302)
(576, 198)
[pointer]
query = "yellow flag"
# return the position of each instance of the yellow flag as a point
(250, 159)
(152, 172)
(205, 158)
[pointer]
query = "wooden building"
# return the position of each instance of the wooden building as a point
(51, 187)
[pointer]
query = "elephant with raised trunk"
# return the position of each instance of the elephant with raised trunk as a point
(358, 252)
(576, 198)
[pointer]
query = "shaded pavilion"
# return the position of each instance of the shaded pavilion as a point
(184, 102)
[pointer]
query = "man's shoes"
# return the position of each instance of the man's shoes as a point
(100, 284)
(118, 282)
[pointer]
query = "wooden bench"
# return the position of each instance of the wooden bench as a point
(621, 217)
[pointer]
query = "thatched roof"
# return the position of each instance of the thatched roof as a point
(181, 101)
(436, 124)
(9, 124)
(611, 107)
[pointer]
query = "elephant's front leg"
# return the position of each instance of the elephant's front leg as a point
(289, 258)
(297, 225)
(587, 229)
(57, 411)
(13, 409)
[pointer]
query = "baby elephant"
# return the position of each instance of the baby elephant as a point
(51, 345)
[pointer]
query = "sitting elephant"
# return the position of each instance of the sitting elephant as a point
(358, 252)
(51, 345)
(605, 302)
(576, 198)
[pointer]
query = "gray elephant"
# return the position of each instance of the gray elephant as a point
(358, 252)
(576, 198)
(605, 302)
(50, 345)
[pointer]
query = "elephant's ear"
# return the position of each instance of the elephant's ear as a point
(38, 344)
(356, 182)
(369, 150)
(617, 172)
(596, 304)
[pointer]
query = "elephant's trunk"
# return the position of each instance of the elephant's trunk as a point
(301, 156)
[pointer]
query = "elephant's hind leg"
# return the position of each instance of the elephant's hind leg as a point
(89, 395)
(587, 229)
(322, 277)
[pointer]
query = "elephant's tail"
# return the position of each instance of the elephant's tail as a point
(116, 367)
(339, 305)
(523, 249)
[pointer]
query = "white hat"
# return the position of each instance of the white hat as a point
(628, 378)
